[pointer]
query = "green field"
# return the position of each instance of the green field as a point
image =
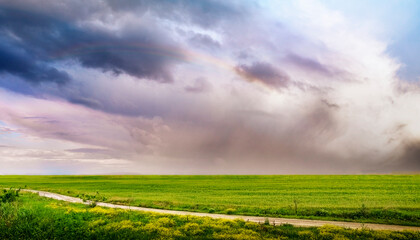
(33, 217)
(393, 199)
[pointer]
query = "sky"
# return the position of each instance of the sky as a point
(209, 87)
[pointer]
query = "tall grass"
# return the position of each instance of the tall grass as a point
(33, 217)
(392, 199)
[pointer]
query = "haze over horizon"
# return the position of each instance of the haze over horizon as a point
(209, 87)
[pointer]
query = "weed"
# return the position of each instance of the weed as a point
(295, 202)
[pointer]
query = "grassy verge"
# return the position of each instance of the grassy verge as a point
(33, 217)
(390, 199)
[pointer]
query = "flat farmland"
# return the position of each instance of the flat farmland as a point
(30, 216)
(392, 199)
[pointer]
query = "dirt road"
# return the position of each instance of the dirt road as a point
(276, 221)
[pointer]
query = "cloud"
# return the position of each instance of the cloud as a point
(6, 130)
(200, 85)
(409, 160)
(17, 62)
(264, 73)
(47, 39)
(204, 41)
(320, 95)
(309, 64)
(35, 161)
(206, 13)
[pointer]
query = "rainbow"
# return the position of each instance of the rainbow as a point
(160, 50)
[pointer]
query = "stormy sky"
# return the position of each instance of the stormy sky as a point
(209, 87)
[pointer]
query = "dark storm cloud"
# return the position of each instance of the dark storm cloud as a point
(18, 62)
(47, 39)
(243, 135)
(89, 102)
(264, 73)
(41, 39)
(409, 159)
(306, 122)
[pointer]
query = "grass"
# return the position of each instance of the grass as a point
(391, 199)
(34, 217)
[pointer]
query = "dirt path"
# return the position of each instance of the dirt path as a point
(276, 221)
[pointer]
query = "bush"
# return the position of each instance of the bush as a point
(9, 195)
(86, 197)
(92, 204)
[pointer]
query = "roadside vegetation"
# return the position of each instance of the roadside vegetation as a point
(9, 195)
(389, 199)
(32, 217)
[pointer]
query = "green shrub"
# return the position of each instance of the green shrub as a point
(9, 195)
